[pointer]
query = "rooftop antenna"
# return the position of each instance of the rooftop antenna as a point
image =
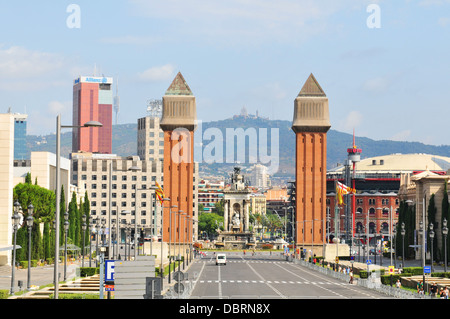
(117, 101)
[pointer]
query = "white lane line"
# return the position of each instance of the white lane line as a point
(267, 283)
(293, 273)
(220, 285)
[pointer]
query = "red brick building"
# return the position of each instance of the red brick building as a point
(92, 101)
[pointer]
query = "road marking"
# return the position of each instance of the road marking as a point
(261, 277)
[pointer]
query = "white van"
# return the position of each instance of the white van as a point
(221, 259)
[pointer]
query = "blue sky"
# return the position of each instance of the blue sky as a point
(386, 83)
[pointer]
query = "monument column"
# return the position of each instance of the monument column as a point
(311, 123)
(178, 122)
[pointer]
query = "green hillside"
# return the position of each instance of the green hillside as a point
(125, 144)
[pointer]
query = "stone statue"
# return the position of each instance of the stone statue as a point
(236, 221)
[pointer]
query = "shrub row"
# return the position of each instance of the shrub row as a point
(76, 296)
(89, 271)
(4, 294)
(24, 263)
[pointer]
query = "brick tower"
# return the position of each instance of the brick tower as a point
(311, 124)
(178, 122)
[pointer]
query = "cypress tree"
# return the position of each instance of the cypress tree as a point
(431, 211)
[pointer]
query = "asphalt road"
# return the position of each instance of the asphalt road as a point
(266, 275)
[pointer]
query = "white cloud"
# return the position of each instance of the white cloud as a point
(401, 136)
(443, 22)
(17, 62)
(22, 68)
(353, 120)
(376, 85)
(158, 73)
(131, 40)
(243, 21)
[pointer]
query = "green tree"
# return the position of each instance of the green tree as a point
(432, 219)
(43, 201)
(445, 215)
(28, 178)
(209, 223)
(219, 208)
(73, 232)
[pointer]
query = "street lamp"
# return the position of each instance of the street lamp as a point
(91, 225)
(66, 230)
(403, 232)
(58, 191)
(180, 212)
(445, 232)
(83, 229)
(30, 227)
(421, 233)
(431, 237)
(170, 235)
(15, 221)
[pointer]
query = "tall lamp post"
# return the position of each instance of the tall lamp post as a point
(15, 222)
(58, 191)
(445, 233)
(91, 225)
(180, 212)
(403, 232)
(421, 232)
(66, 230)
(83, 229)
(170, 235)
(30, 227)
(431, 237)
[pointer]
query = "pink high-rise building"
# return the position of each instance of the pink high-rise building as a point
(92, 101)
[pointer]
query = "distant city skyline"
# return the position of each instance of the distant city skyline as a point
(386, 82)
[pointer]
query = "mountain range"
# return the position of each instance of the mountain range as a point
(125, 143)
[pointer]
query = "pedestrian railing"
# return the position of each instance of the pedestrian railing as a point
(367, 283)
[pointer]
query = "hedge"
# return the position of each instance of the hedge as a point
(414, 271)
(89, 271)
(4, 294)
(24, 263)
(76, 296)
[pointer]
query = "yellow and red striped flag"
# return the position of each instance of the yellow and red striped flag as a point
(342, 189)
(159, 193)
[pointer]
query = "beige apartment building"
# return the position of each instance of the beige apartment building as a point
(6, 185)
(42, 167)
(117, 191)
(150, 139)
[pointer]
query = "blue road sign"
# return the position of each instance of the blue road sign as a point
(368, 261)
(109, 270)
(427, 270)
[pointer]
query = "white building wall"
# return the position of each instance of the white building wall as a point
(6, 185)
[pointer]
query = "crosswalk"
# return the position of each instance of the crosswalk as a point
(244, 261)
(290, 282)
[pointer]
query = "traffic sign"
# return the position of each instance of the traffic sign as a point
(427, 270)
(109, 287)
(369, 261)
(109, 270)
(391, 270)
